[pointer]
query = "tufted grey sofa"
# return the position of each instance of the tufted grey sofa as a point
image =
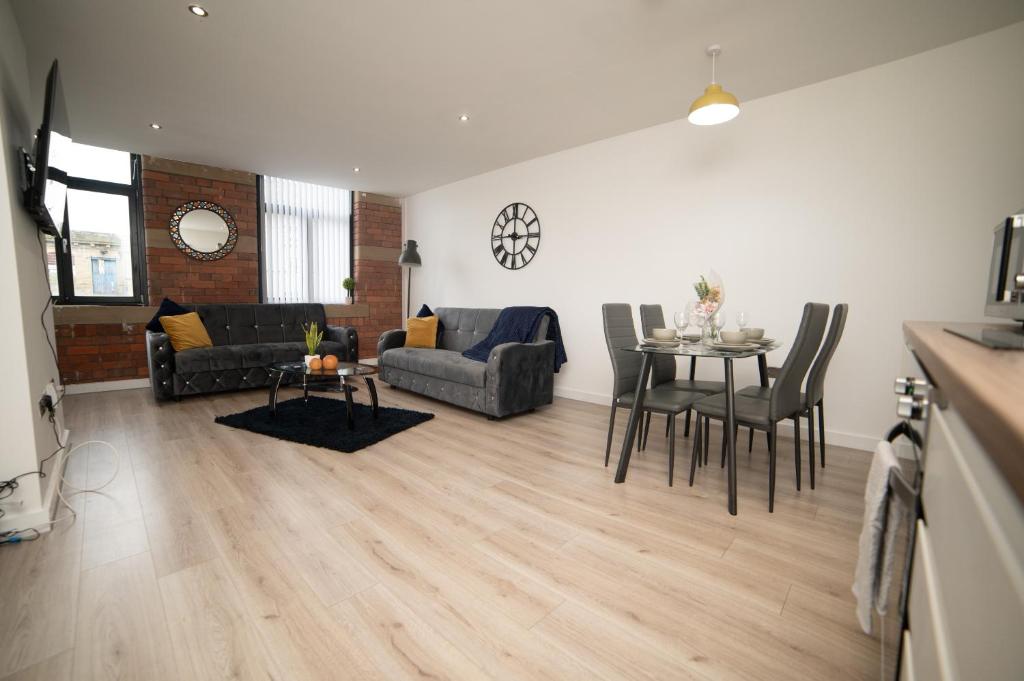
(517, 376)
(247, 340)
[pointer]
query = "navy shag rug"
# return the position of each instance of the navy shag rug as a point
(321, 423)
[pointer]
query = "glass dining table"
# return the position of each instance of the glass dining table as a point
(694, 349)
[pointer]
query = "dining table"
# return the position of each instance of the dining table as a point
(694, 349)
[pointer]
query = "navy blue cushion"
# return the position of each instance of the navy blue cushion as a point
(425, 311)
(168, 308)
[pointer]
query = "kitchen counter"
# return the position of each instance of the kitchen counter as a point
(986, 386)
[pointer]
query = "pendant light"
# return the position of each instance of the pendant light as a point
(715, 105)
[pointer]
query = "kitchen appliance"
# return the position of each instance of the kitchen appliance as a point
(1005, 294)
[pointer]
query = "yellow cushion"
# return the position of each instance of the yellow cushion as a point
(186, 331)
(421, 332)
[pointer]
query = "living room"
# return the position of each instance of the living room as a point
(520, 261)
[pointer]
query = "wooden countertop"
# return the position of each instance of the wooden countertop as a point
(986, 386)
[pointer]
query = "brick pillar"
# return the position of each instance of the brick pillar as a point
(377, 235)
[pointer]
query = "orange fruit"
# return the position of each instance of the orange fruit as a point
(330, 362)
(315, 364)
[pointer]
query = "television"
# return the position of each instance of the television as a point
(47, 190)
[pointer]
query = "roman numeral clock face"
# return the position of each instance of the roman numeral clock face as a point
(515, 236)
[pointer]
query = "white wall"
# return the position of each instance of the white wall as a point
(27, 362)
(880, 189)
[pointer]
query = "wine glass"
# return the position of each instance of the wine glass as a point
(741, 320)
(682, 321)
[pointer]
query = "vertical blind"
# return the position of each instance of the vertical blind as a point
(306, 241)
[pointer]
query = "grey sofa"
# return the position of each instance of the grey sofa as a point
(247, 341)
(517, 377)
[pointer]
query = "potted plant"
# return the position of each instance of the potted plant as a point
(313, 338)
(349, 285)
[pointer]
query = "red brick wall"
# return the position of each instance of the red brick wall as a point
(376, 223)
(92, 352)
(172, 274)
(101, 352)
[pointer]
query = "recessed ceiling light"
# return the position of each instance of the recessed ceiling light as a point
(464, 117)
(356, 169)
(155, 126)
(198, 11)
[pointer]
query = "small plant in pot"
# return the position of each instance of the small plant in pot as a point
(350, 286)
(313, 338)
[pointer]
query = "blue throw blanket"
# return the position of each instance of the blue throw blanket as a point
(519, 325)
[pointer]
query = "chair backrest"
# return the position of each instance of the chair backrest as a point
(816, 376)
(619, 333)
(664, 369)
(250, 323)
(785, 396)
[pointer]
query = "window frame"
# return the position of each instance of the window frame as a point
(137, 236)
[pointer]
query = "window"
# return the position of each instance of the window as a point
(99, 258)
(306, 241)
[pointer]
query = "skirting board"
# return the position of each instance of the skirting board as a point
(841, 439)
(106, 386)
(39, 518)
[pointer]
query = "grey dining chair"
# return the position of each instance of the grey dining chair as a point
(814, 398)
(783, 400)
(663, 372)
(620, 335)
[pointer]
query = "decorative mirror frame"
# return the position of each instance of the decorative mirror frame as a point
(186, 208)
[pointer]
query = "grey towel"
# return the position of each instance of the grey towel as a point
(875, 556)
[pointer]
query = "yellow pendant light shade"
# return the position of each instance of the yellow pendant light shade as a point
(715, 105)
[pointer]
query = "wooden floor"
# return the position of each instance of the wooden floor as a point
(460, 549)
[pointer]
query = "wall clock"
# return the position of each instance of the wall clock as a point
(515, 236)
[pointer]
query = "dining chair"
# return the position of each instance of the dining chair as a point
(814, 397)
(620, 336)
(663, 372)
(783, 400)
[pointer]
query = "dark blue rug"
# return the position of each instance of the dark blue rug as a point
(321, 423)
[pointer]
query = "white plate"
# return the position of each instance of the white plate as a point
(763, 341)
(660, 343)
(734, 346)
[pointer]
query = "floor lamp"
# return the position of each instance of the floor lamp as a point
(409, 258)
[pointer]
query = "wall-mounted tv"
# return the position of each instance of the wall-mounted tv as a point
(47, 190)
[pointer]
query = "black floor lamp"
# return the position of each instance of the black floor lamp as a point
(409, 258)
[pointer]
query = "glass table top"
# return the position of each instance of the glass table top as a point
(343, 369)
(698, 349)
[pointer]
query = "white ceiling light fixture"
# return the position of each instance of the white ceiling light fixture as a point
(155, 126)
(463, 118)
(356, 169)
(198, 11)
(715, 105)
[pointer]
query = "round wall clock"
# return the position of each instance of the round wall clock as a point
(515, 236)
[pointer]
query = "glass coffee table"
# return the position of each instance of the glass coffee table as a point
(292, 372)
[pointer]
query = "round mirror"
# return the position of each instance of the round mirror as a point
(203, 230)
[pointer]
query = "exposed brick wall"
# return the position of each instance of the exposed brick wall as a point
(172, 274)
(376, 223)
(93, 352)
(101, 352)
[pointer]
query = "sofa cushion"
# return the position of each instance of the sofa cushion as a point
(254, 355)
(186, 331)
(248, 324)
(446, 364)
(464, 327)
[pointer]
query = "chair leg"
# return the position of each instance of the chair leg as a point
(796, 446)
(772, 441)
(671, 447)
(647, 430)
(695, 454)
(611, 428)
(811, 464)
(725, 440)
(750, 440)
(707, 438)
(667, 419)
(686, 424)
(821, 430)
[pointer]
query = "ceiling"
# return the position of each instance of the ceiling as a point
(310, 89)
